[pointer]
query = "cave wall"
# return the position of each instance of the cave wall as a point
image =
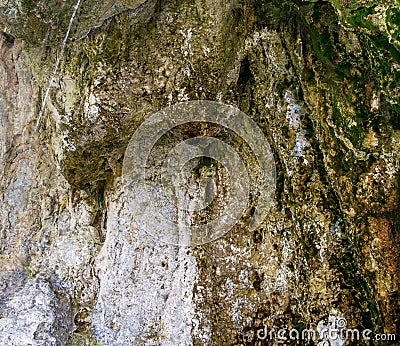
(321, 79)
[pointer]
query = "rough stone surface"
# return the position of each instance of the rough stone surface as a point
(37, 314)
(321, 79)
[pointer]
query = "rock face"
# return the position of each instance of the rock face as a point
(36, 312)
(322, 82)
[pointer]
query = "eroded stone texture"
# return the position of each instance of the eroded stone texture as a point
(320, 79)
(145, 294)
(38, 314)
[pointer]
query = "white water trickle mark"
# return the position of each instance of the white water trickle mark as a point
(293, 114)
(91, 108)
(391, 168)
(170, 98)
(301, 55)
(206, 50)
(53, 74)
(294, 111)
(187, 50)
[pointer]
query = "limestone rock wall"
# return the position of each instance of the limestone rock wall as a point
(321, 79)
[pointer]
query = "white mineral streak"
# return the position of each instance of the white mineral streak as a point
(53, 75)
(293, 113)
